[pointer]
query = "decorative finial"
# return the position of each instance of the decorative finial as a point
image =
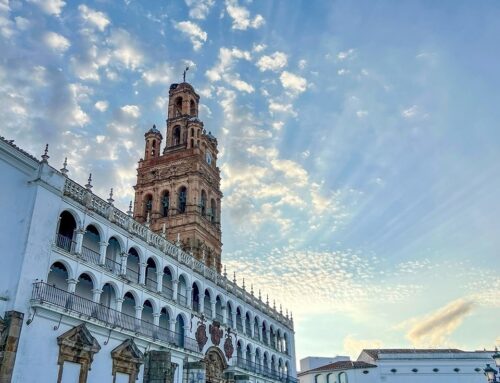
(260, 296)
(281, 310)
(130, 212)
(110, 199)
(64, 169)
(243, 284)
(234, 277)
(148, 218)
(267, 299)
(274, 305)
(251, 289)
(164, 230)
(286, 313)
(184, 74)
(178, 242)
(45, 155)
(225, 272)
(291, 316)
(89, 183)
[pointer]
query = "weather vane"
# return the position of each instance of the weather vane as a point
(184, 74)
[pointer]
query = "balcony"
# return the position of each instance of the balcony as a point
(95, 312)
(264, 371)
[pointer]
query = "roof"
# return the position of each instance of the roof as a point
(11, 143)
(340, 365)
(374, 353)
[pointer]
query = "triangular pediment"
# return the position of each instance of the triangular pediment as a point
(127, 350)
(79, 337)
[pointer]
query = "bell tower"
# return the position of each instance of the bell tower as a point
(178, 191)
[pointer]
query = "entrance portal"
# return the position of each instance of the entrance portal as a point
(215, 364)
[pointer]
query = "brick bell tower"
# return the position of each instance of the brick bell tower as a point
(178, 191)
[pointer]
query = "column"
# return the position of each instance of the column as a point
(79, 240)
(71, 285)
(123, 257)
(260, 333)
(156, 319)
(96, 295)
(189, 297)
(174, 289)
(119, 303)
(159, 281)
(214, 314)
(252, 328)
(138, 315)
(171, 324)
(142, 273)
(102, 252)
(224, 314)
(268, 336)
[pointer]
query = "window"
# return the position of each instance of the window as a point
(165, 203)
(182, 199)
(176, 137)
(213, 211)
(148, 205)
(203, 203)
(178, 107)
(192, 108)
(343, 377)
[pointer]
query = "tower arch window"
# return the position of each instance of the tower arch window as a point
(108, 296)
(151, 274)
(84, 286)
(182, 199)
(167, 284)
(192, 108)
(148, 205)
(133, 265)
(176, 136)
(153, 148)
(213, 211)
(165, 203)
(90, 244)
(178, 107)
(58, 276)
(207, 305)
(203, 203)
(195, 298)
(182, 291)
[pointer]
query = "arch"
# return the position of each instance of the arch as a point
(203, 203)
(182, 202)
(129, 304)
(178, 107)
(182, 290)
(248, 323)
(265, 330)
(133, 269)
(207, 304)
(66, 228)
(239, 349)
(167, 286)
(165, 203)
(151, 277)
(59, 273)
(113, 255)
(316, 378)
(148, 309)
(258, 359)
(91, 243)
(229, 314)
(180, 324)
(287, 369)
(218, 308)
(265, 361)
(239, 319)
(110, 292)
(84, 285)
(327, 375)
(343, 377)
(285, 343)
(256, 326)
(195, 296)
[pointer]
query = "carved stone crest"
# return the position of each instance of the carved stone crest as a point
(228, 345)
(216, 333)
(201, 333)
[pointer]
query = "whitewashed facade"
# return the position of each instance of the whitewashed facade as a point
(403, 366)
(71, 258)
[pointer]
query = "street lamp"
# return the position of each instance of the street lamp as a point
(490, 372)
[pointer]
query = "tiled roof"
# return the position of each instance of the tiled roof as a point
(374, 353)
(340, 365)
(11, 143)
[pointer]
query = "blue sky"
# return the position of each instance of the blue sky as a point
(359, 144)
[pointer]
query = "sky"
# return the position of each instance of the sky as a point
(359, 145)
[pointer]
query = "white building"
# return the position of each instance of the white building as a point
(88, 294)
(403, 366)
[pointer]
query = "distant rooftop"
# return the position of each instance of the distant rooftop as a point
(340, 365)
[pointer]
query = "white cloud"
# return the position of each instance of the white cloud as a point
(160, 74)
(51, 7)
(96, 18)
(131, 110)
(410, 112)
(258, 47)
(353, 346)
(302, 64)
(293, 83)
(223, 67)
(278, 125)
(343, 71)
(345, 55)
(361, 113)
(199, 9)
(22, 23)
(101, 106)
(241, 16)
(276, 107)
(274, 62)
(56, 42)
(197, 35)
(77, 117)
(125, 50)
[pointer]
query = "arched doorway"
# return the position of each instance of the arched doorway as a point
(215, 363)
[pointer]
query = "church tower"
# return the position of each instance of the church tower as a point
(178, 191)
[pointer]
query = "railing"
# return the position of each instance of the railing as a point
(133, 275)
(103, 208)
(167, 290)
(151, 283)
(65, 243)
(219, 317)
(90, 255)
(181, 299)
(263, 370)
(45, 293)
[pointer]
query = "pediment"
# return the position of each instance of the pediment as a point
(79, 337)
(128, 350)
